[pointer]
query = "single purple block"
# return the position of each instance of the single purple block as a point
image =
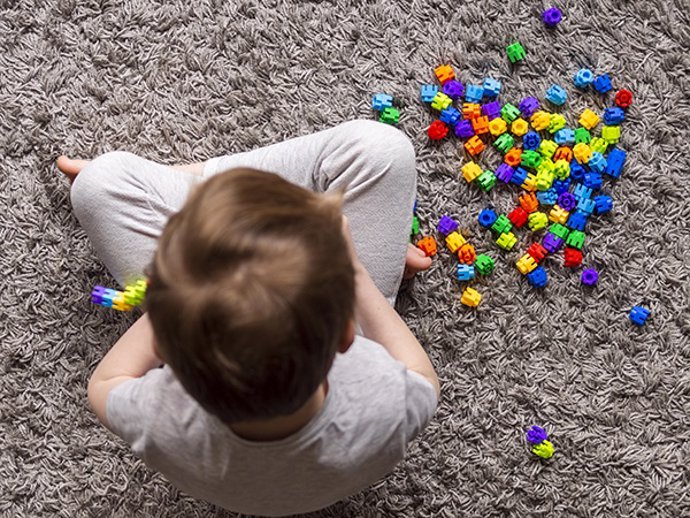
(464, 129)
(504, 172)
(528, 106)
(492, 110)
(551, 242)
(536, 435)
(552, 16)
(446, 225)
(453, 89)
(97, 294)
(590, 277)
(567, 201)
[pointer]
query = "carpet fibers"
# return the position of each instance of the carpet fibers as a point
(181, 81)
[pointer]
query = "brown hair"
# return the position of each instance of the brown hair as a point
(251, 291)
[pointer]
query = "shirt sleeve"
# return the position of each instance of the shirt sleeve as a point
(421, 402)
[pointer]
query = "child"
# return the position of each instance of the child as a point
(267, 401)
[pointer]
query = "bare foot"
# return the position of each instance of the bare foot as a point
(415, 261)
(70, 167)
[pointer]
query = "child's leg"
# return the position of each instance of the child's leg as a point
(375, 163)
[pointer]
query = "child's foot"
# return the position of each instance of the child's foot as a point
(415, 261)
(70, 167)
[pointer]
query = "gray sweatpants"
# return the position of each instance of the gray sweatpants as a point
(123, 201)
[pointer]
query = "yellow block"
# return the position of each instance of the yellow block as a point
(470, 297)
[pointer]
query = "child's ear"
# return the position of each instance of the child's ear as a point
(348, 336)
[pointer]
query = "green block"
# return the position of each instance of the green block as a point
(544, 180)
(390, 115)
(515, 52)
(559, 230)
(504, 143)
(561, 168)
(502, 225)
(484, 265)
(599, 145)
(531, 159)
(510, 112)
(582, 136)
(506, 241)
(486, 180)
(576, 239)
(415, 225)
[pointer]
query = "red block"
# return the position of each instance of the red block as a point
(437, 130)
(572, 258)
(624, 98)
(537, 252)
(518, 217)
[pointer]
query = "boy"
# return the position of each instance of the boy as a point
(267, 402)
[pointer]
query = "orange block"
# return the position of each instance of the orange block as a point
(471, 111)
(474, 146)
(563, 153)
(428, 246)
(467, 254)
(444, 73)
(480, 125)
(528, 201)
(513, 157)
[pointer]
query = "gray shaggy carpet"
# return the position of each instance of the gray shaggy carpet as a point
(182, 81)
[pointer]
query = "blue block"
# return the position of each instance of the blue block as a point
(547, 197)
(597, 162)
(577, 170)
(474, 93)
(564, 136)
(556, 95)
(583, 78)
(538, 277)
(586, 205)
(602, 84)
(582, 192)
(492, 87)
(561, 186)
(531, 141)
(577, 221)
(381, 101)
(603, 204)
(638, 315)
(450, 116)
(519, 176)
(465, 272)
(615, 162)
(487, 217)
(614, 116)
(593, 180)
(428, 92)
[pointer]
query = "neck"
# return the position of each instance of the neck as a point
(280, 427)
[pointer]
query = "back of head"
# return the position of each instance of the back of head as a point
(251, 290)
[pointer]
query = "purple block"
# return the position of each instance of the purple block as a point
(97, 294)
(552, 242)
(453, 89)
(552, 16)
(567, 201)
(492, 110)
(536, 435)
(504, 172)
(446, 225)
(590, 277)
(464, 129)
(528, 106)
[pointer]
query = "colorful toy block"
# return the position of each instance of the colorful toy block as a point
(577, 221)
(544, 450)
(530, 159)
(540, 120)
(597, 162)
(536, 435)
(480, 125)
(519, 176)
(556, 95)
(471, 171)
(519, 127)
(474, 93)
(603, 204)
(526, 264)
(547, 148)
(590, 277)
(491, 87)
(567, 201)
(549, 196)
(564, 136)
(561, 167)
(624, 98)
(576, 239)
(463, 129)
(380, 101)
(531, 141)
(551, 242)
(528, 201)
(582, 153)
(582, 136)
(614, 116)
(537, 277)
(444, 73)
(589, 119)
(515, 52)
(602, 83)
(599, 145)
(492, 110)
(487, 218)
(506, 241)
(441, 101)
(537, 220)
(428, 246)
(528, 106)
(427, 93)
(593, 180)
(556, 123)
(486, 180)
(437, 130)
(562, 186)
(454, 241)
(639, 315)
(559, 230)
(582, 192)
(484, 264)
(615, 162)
(544, 180)
(464, 272)
(572, 258)
(504, 143)
(552, 16)
(530, 183)
(474, 145)
(390, 115)
(446, 225)
(471, 297)
(518, 217)
(502, 225)
(510, 112)
(415, 226)
(467, 254)
(586, 206)
(583, 78)
(454, 89)
(537, 252)
(513, 157)
(450, 116)
(577, 171)
(611, 134)
(497, 127)
(471, 110)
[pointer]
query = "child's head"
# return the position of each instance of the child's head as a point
(251, 294)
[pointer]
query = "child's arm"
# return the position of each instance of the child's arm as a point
(132, 356)
(381, 323)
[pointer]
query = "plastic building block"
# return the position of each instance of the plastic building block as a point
(484, 264)
(552, 16)
(480, 125)
(556, 95)
(487, 218)
(537, 277)
(590, 277)
(504, 143)
(471, 297)
(526, 264)
(564, 136)
(537, 252)
(528, 201)
(444, 73)
(502, 225)
(427, 245)
(614, 116)
(583, 78)
(515, 52)
(611, 134)
(561, 168)
(540, 120)
(510, 112)
(614, 162)
(576, 239)
(491, 87)
(474, 145)
(556, 123)
(602, 83)
(504, 172)
(528, 106)
(97, 294)
(624, 98)
(598, 145)
(441, 101)
(547, 148)
(547, 196)
(497, 127)
(531, 141)
(437, 130)
(536, 435)
(380, 101)
(471, 110)
(593, 180)
(537, 221)
(577, 221)
(582, 153)
(582, 192)
(518, 217)
(486, 180)
(474, 93)
(589, 119)
(530, 159)
(519, 127)
(464, 272)
(450, 116)
(471, 171)
(427, 93)
(390, 115)
(519, 176)
(603, 204)
(551, 242)
(582, 136)
(563, 153)
(415, 226)
(530, 183)
(463, 129)
(543, 182)
(546, 166)
(446, 225)
(454, 241)
(597, 162)
(567, 201)
(467, 254)
(134, 293)
(561, 186)
(513, 157)
(453, 89)
(506, 241)
(492, 110)
(559, 230)
(586, 206)
(577, 171)
(572, 258)
(638, 315)
(544, 450)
